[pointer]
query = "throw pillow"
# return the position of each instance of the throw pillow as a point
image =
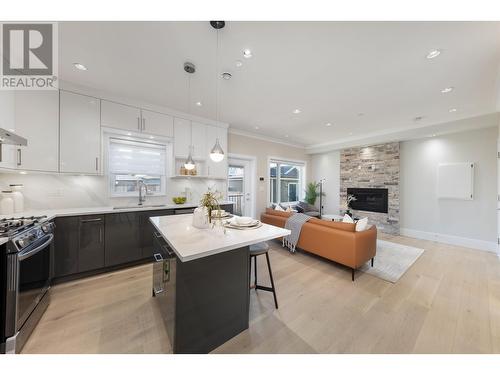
(298, 208)
(362, 224)
(348, 219)
(278, 208)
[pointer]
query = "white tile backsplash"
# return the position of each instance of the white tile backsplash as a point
(63, 191)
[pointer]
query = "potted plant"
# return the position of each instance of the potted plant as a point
(210, 201)
(312, 192)
(350, 198)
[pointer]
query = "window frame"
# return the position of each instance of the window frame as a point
(108, 134)
(300, 184)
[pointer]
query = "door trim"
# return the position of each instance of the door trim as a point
(253, 178)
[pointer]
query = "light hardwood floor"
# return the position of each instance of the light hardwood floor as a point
(447, 302)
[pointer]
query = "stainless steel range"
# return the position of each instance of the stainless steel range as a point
(25, 277)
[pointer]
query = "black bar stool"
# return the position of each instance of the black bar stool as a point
(255, 251)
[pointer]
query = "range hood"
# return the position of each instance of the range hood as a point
(9, 138)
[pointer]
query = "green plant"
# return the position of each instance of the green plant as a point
(210, 200)
(312, 192)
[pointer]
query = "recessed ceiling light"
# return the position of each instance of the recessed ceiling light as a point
(418, 118)
(350, 133)
(286, 135)
(23, 172)
(451, 110)
(328, 124)
(296, 111)
(434, 53)
(199, 104)
(129, 133)
(238, 63)
(247, 53)
(446, 90)
(79, 66)
(226, 75)
(257, 128)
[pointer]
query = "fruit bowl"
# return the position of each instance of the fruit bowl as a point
(179, 200)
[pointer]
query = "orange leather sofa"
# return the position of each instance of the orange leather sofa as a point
(331, 240)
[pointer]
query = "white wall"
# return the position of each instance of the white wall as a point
(262, 150)
(471, 223)
(62, 191)
(328, 166)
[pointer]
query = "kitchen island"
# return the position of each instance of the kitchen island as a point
(205, 295)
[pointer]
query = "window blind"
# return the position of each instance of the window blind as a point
(132, 157)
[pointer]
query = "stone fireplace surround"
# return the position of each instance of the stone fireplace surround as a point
(374, 166)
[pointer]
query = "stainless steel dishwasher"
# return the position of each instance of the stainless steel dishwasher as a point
(164, 280)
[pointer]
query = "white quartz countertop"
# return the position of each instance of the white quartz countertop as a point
(52, 213)
(3, 240)
(191, 243)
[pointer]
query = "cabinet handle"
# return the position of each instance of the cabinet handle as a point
(91, 220)
(19, 156)
(143, 124)
(138, 123)
(100, 234)
(96, 163)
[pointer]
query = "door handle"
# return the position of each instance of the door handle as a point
(100, 234)
(138, 123)
(143, 124)
(96, 163)
(19, 156)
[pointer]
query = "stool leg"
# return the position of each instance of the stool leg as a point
(372, 260)
(272, 281)
(255, 271)
(250, 272)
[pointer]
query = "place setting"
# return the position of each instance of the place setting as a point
(242, 223)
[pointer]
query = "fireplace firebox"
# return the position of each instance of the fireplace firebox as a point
(370, 199)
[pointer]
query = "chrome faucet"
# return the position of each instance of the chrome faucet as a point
(142, 197)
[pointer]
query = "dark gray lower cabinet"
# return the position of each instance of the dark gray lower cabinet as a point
(122, 238)
(65, 259)
(91, 243)
(147, 231)
(94, 242)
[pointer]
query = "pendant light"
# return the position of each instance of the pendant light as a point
(217, 153)
(190, 69)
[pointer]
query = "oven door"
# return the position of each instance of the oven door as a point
(33, 277)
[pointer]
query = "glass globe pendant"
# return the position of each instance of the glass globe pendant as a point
(217, 153)
(189, 164)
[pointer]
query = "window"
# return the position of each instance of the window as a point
(132, 161)
(285, 179)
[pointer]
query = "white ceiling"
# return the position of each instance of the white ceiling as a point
(332, 71)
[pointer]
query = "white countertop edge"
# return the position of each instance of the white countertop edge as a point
(219, 250)
(77, 211)
(4, 240)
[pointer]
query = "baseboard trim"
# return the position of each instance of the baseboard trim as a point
(492, 247)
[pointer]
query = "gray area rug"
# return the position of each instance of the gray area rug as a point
(392, 260)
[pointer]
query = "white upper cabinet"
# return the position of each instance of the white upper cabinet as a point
(199, 141)
(120, 116)
(157, 123)
(80, 134)
(37, 120)
(182, 137)
(214, 169)
(7, 159)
